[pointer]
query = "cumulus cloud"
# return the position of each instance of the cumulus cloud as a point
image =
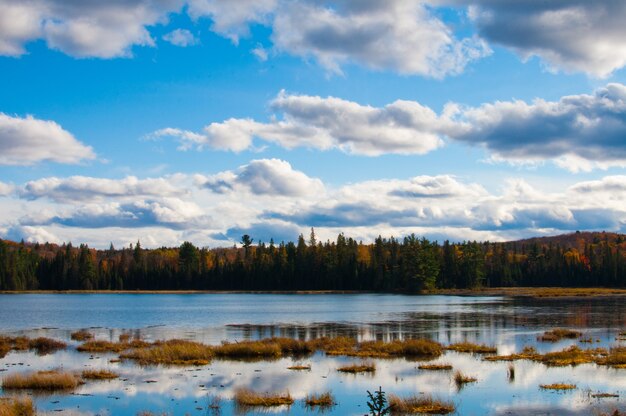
(575, 35)
(25, 141)
(6, 189)
(181, 37)
(82, 29)
(579, 127)
(404, 127)
(84, 188)
(398, 35)
(273, 177)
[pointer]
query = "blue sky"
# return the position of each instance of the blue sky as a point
(201, 120)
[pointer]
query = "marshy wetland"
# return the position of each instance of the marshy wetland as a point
(204, 354)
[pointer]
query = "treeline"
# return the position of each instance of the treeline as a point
(408, 264)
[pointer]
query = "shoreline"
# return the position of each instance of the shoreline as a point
(513, 292)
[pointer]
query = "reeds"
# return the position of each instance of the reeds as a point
(172, 352)
(557, 386)
(558, 334)
(420, 405)
(364, 367)
(42, 345)
(108, 346)
(569, 356)
(17, 406)
(321, 400)
(81, 335)
(249, 398)
(435, 367)
(380, 349)
(300, 367)
(472, 348)
(460, 379)
(99, 375)
(41, 380)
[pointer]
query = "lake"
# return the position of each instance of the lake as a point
(509, 324)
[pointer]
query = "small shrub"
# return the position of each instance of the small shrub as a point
(377, 403)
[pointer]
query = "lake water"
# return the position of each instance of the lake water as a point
(509, 324)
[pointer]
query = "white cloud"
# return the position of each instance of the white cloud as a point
(397, 35)
(82, 29)
(231, 20)
(181, 37)
(583, 127)
(25, 141)
(83, 188)
(403, 127)
(6, 189)
(573, 35)
(263, 177)
(260, 52)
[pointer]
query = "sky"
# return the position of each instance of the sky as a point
(167, 121)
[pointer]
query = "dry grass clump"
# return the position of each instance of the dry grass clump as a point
(108, 346)
(471, 347)
(435, 367)
(380, 349)
(528, 353)
(16, 406)
(421, 405)
(81, 335)
(571, 356)
(557, 386)
(364, 367)
(615, 358)
(99, 375)
(5, 346)
(558, 334)
(42, 345)
(334, 346)
(320, 400)
(249, 398)
(41, 380)
(171, 352)
(265, 348)
(461, 379)
(604, 395)
(300, 367)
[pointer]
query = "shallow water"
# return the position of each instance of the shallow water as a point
(506, 323)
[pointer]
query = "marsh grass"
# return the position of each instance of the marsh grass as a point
(99, 375)
(616, 358)
(17, 406)
(41, 380)
(41, 345)
(558, 334)
(435, 367)
(604, 395)
(81, 335)
(108, 346)
(380, 349)
(300, 367)
(364, 367)
(461, 379)
(420, 405)
(248, 398)
(472, 348)
(171, 352)
(572, 355)
(557, 386)
(321, 400)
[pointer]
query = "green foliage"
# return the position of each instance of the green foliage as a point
(377, 403)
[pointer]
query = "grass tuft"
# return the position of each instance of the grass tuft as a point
(99, 375)
(300, 367)
(171, 352)
(41, 380)
(17, 406)
(557, 386)
(435, 367)
(420, 405)
(364, 367)
(472, 348)
(558, 334)
(81, 335)
(460, 379)
(249, 398)
(320, 400)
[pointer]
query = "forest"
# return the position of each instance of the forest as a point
(409, 264)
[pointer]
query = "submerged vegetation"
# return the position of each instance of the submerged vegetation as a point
(408, 264)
